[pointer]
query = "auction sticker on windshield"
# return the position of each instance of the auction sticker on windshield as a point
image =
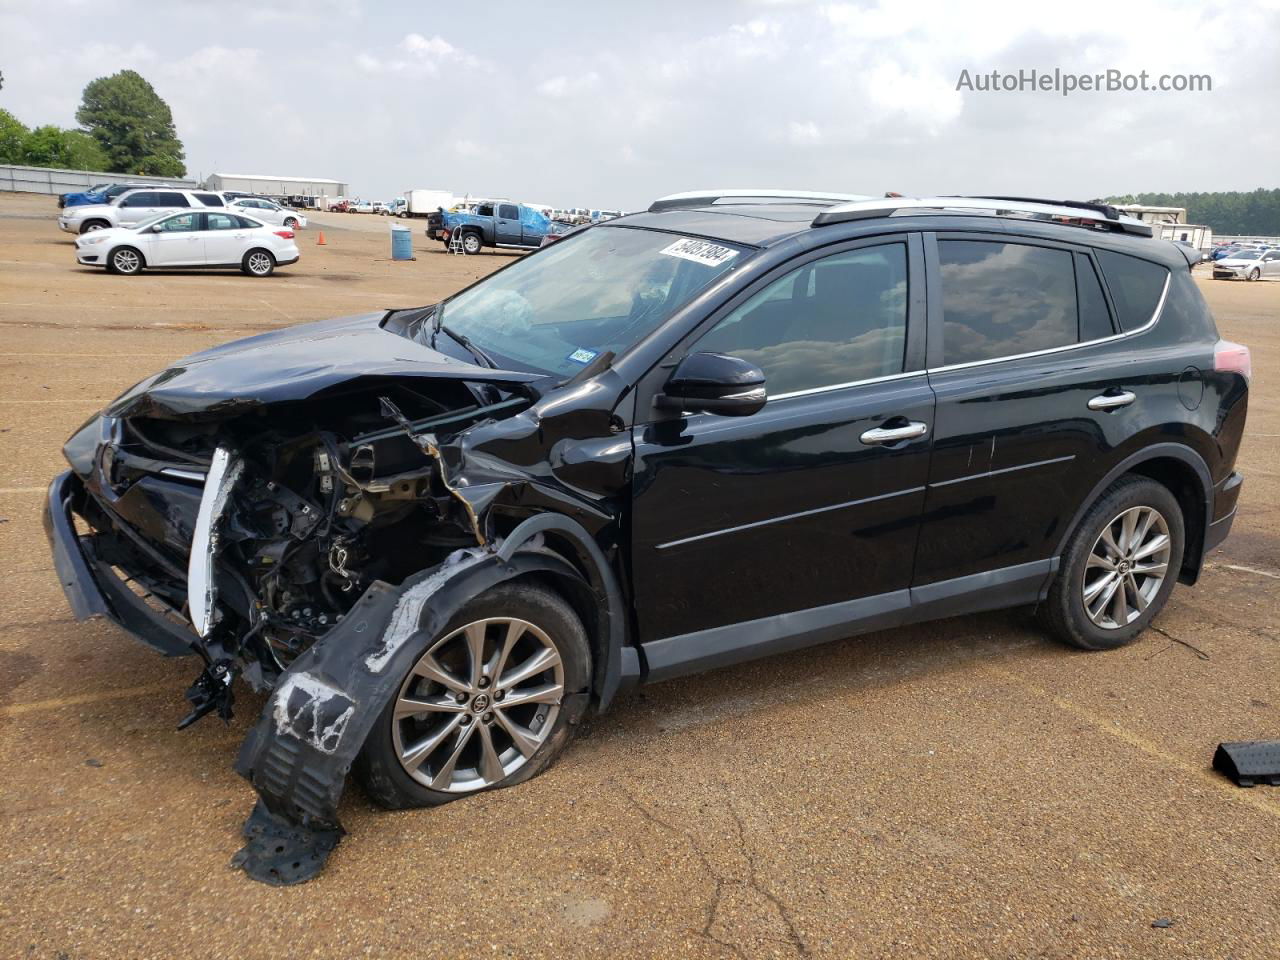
(700, 251)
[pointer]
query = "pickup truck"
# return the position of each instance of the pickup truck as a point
(499, 223)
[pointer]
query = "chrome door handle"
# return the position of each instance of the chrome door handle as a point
(1112, 401)
(893, 434)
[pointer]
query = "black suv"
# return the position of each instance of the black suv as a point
(723, 428)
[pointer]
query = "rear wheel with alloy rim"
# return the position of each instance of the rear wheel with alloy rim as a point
(481, 704)
(258, 263)
(1119, 567)
(125, 260)
(290, 222)
(471, 243)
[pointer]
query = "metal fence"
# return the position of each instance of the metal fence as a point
(50, 180)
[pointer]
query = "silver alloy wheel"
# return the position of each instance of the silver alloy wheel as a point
(90, 227)
(259, 263)
(478, 704)
(126, 261)
(1126, 567)
(470, 243)
(1254, 274)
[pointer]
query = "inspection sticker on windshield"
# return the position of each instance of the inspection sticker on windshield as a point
(582, 356)
(700, 251)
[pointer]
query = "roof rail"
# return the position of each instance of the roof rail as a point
(704, 198)
(1094, 215)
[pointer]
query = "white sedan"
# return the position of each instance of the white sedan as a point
(269, 212)
(199, 238)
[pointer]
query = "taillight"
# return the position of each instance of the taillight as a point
(284, 234)
(1231, 357)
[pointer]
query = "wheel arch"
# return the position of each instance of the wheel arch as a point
(1184, 472)
(126, 246)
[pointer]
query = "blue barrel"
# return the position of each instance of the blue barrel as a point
(401, 243)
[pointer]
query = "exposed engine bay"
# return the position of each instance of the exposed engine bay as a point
(324, 501)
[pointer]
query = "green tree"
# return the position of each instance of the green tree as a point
(45, 147)
(84, 153)
(132, 125)
(13, 134)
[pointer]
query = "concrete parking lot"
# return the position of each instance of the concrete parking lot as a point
(961, 788)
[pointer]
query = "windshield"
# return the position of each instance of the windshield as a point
(1246, 255)
(604, 289)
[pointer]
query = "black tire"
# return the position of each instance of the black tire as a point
(1063, 613)
(291, 223)
(89, 226)
(471, 243)
(125, 261)
(255, 265)
(1254, 274)
(378, 766)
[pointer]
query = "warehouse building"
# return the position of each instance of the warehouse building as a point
(276, 186)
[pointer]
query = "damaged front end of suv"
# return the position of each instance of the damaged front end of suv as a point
(295, 507)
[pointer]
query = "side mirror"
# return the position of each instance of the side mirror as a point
(157, 227)
(714, 383)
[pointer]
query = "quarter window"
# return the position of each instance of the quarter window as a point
(836, 320)
(1136, 286)
(1004, 299)
(209, 199)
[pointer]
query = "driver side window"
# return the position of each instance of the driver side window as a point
(836, 320)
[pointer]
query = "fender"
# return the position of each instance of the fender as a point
(1175, 451)
(619, 663)
(317, 719)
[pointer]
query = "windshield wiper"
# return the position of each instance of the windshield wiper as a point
(463, 341)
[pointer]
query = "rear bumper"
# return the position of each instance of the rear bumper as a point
(1226, 496)
(92, 588)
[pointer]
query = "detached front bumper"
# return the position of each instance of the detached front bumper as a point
(92, 587)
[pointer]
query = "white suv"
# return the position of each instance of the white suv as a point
(132, 208)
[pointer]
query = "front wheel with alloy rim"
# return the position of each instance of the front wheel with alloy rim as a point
(258, 263)
(481, 705)
(1119, 567)
(471, 243)
(93, 225)
(125, 260)
(1254, 274)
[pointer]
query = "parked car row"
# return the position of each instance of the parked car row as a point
(1248, 263)
(152, 227)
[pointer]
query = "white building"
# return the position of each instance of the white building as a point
(276, 186)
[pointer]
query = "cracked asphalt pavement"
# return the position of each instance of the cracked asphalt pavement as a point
(965, 788)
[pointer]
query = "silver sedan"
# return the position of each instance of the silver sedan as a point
(1248, 265)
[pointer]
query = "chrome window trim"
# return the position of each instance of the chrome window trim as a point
(1155, 317)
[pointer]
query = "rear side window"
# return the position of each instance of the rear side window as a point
(1004, 299)
(508, 211)
(209, 199)
(1135, 285)
(1095, 318)
(221, 221)
(171, 200)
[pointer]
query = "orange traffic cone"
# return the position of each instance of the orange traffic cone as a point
(320, 240)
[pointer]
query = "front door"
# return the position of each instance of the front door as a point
(813, 501)
(506, 223)
(176, 241)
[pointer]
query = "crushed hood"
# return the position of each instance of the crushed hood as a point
(295, 363)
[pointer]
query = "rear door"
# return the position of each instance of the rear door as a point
(226, 238)
(806, 503)
(1034, 398)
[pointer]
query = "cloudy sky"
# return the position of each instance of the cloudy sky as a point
(604, 104)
